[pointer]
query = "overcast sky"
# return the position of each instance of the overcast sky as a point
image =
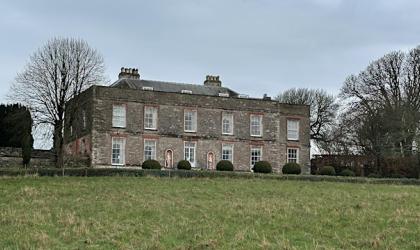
(256, 47)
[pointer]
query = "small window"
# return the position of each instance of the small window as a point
(190, 121)
(149, 150)
(224, 94)
(118, 116)
(243, 96)
(71, 130)
(293, 155)
(293, 130)
(227, 124)
(185, 91)
(189, 152)
(256, 155)
(150, 117)
(118, 151)
(256, 125)
(147, 88)
(227, 152)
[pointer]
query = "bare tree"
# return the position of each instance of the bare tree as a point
(323, 108)
(55, 73)
(385, 98)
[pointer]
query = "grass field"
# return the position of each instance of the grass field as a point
(221, 213)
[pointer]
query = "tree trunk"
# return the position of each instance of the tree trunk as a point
(58, 144)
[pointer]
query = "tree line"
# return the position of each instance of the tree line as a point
(377, 111)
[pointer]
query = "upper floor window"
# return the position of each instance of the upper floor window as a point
(256, 154)
(149, 149)
(293, 155)
(150, 117)
(293, 130)
(118, 151)
(190, 120)
(227, 152)
(256, 125)
(227, 124)
(118, 116)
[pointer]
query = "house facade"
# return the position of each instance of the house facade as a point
(133, 120)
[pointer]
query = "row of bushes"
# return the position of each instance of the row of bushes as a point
(198, 174)
(223, 165)
(329, 170)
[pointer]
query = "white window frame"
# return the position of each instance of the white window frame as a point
(119, 120)
(251, 157)
(193, 163)
(193, 120)
(229, 118)
(297, 155)
(260, 125)
(227, 145)
(154, 112)
(153, 155)
(293, 132)
(122, 151)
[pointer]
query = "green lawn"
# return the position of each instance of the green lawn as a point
(130, 212)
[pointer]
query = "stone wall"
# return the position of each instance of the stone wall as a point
(170, 133)
(12, 157)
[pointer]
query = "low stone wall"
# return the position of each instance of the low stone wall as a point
(12, 157)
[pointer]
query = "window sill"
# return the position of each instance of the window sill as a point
(190, 131)
(294, 140)
(151, 129)
(256, 136)
(227, 134)
(118, 127)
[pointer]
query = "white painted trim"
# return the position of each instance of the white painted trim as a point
(144, 148)
(261, 125)
(193, 164)
(123, 150)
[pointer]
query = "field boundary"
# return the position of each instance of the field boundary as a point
(91, 172)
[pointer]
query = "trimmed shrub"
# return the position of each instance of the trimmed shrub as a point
(262, 167)
(347, 172)
(224, 165)
(374, 175)
(184, 164)
(291, 168)
(327, 170)
(151, 164)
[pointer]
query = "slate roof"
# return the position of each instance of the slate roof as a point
(172, 87)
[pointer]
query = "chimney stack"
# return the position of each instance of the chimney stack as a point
(129, 73)
(213, 81)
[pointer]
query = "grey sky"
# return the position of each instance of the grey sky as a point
(256, 47)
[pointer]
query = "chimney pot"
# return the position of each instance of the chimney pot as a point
(213, 81)
(129, 73)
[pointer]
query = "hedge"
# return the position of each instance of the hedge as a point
(199, 173)
(184, 164)
(327, 170)
(224, 165)
(151, 164)
(291, 168)
(262, 167)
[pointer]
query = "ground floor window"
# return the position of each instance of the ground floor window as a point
(293, 155)
(256, 154)
(118, 151)
(227, 152)
(149, 150)
(189, 152)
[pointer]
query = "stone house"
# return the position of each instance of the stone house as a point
(133, 120)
